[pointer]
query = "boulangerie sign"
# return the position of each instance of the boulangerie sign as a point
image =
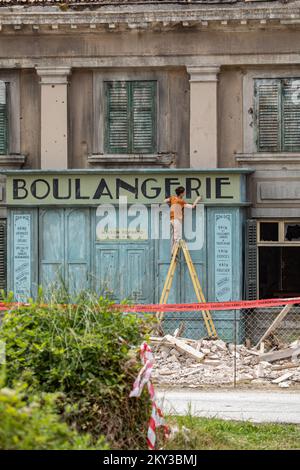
(46, 188)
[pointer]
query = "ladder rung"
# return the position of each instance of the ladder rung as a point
(207, 318)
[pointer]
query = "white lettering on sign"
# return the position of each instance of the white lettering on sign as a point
(22, 256)
(223, 257)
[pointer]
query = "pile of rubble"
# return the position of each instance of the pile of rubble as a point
(193, 363)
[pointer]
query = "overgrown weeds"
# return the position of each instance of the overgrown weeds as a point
(88, 352)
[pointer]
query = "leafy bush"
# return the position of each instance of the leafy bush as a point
(33, 423)
(88, 352)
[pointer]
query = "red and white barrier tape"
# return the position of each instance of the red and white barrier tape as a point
(144, 378)
(232, 305)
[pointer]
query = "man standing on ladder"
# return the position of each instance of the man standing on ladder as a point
(178, 204)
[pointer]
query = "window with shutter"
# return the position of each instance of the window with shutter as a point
(3, 119)
(3, 254)
(277, 114)
(251, 260)
(130, 117)
(291, 115)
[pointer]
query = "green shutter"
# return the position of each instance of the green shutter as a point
(251, 260)
(130, 117)
(143, 116)
(291, 115)
(3, 254)
(267, 115)
(117, 130)
(3, 119)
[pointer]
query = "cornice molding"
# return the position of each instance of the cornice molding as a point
(224, 17)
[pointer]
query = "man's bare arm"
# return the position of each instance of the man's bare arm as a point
(192, 206)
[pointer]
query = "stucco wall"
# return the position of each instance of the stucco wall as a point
(80, 118)
(86, 112)
(181, 48)
(30, 118)
(230, 113)
(149, 43)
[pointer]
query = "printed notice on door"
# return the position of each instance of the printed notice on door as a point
(223, 257)
(22, 256)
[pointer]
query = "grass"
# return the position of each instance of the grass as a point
(216, 434)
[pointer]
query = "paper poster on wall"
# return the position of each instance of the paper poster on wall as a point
(22, 256)
(223, 257)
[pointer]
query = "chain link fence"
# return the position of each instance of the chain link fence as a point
(244, 326)
(237, 357)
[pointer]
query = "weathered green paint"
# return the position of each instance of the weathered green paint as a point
(251, 260)
(277, 114)
(31, 260)
(3, 119)
(39, 189)
(64, 246)
(3, 254)
(130, 124)
(65, 249)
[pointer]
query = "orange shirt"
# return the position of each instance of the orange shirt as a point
(177, 205)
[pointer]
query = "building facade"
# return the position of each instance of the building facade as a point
(207, 91)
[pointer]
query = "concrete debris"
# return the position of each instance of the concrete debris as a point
(283, 378)
(182, 362)
(185, 348)
(281, 354)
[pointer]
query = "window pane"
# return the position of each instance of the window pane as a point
(292, 232)
(269, 231)
(278, 272)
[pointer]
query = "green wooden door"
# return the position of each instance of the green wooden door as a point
(125, 269)
(64, 236)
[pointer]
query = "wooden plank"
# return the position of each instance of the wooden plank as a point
(275, 323)
(185, 348)
(288, 365)
(278, 355)
(283, 377)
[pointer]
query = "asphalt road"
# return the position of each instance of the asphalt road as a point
(255, 406)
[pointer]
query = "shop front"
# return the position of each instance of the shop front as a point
(109, 232)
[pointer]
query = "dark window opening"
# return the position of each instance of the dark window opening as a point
(269, 231)
(279, 272)
(292, 232)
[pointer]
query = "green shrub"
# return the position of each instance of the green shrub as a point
(88, 352)
(33, 424)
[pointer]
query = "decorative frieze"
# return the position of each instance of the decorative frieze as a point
(146, 16)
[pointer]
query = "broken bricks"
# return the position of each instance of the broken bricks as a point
(193, 363)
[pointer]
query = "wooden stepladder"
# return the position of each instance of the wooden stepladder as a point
(181, 244)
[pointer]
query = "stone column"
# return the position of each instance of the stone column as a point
(203, 116)
(54, 117)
